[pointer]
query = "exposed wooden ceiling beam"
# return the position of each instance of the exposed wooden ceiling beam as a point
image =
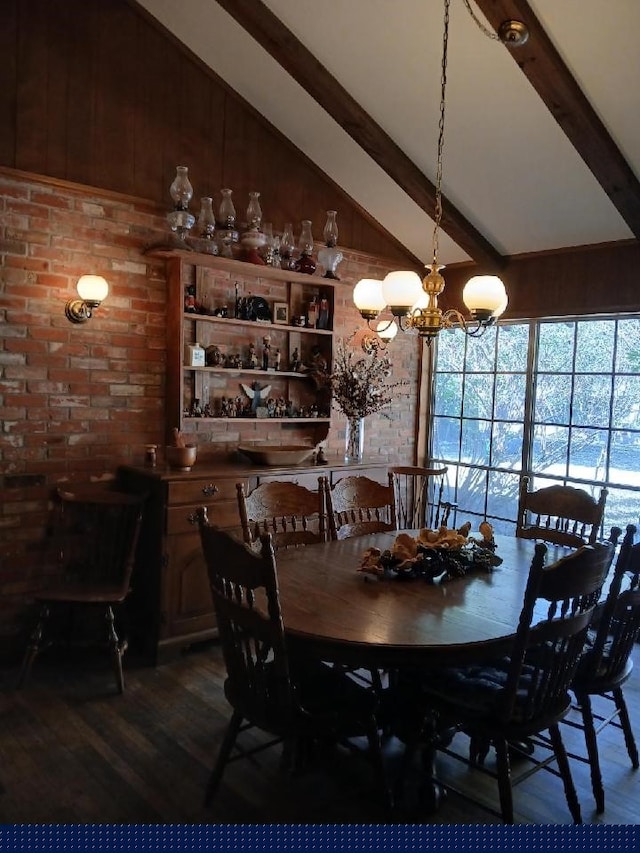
(545, 69)
(258, 20)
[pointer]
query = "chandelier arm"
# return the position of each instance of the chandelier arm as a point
(453, 319)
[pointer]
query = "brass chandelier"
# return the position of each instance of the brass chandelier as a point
(412, 302)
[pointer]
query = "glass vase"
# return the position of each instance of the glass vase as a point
(354, 440)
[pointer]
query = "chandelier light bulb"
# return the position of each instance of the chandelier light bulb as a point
(485, 297)
(401, 289)
(368, 298)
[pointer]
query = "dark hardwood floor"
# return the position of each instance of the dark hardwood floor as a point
(74, 751)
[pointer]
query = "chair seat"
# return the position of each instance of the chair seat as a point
(84, 594)
(598, 680)
(322, 694)
(477, 692)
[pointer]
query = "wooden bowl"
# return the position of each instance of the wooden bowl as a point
(181, 458)
(276, 454)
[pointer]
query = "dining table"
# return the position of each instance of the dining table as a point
(341, 614)
(337, 613)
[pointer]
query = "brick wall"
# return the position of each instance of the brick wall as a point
(78, 400)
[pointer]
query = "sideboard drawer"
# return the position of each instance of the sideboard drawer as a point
(223, 514)
(205, 490)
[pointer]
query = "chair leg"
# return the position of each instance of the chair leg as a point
(625, 724)
(503, 769)
(565, 773)
(375, 753)
(223, 756)
(32, 650)
(116, 648)
(591, 742)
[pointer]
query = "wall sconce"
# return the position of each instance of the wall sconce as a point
(92, 290)
(385, 332)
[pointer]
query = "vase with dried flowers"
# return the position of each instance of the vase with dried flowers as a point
(361, 387)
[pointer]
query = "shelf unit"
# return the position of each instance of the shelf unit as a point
(218, 281)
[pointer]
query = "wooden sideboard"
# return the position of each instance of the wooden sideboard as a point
(170, 604)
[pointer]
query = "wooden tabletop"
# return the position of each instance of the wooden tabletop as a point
(344, 615)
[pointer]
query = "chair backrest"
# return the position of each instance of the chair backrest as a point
(244, 587)
(95, 535)
(293, 514)
(358, 505)
(418, 496)
(563, 515)
(619, 622)
(557, 608)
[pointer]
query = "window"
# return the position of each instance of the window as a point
(558, 400)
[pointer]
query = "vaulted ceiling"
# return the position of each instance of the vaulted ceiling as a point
(542, 142)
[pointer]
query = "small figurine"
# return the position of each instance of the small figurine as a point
(271, 407)
(289, 411)
(321, 459)
(276, 363)
(266, 349)
(295, 361)
(206, 412)
(239, 404)
(253, 358)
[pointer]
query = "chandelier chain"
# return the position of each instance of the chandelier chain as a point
(489, 33)
(443, 87)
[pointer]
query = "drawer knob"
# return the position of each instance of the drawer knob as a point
(210, 490)
(193, 518)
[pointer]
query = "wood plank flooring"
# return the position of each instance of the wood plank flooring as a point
(74, 751)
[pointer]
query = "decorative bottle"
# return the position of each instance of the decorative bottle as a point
(306, 263)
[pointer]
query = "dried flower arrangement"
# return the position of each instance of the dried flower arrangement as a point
(360, 384)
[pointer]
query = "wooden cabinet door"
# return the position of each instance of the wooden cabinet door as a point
(187, 608)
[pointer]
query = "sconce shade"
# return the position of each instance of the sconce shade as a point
(386, 331)
(368, 298)
(401, 289)
(93, 289)
(485, 296)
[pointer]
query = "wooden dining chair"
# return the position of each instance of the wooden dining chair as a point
(293, 514)
(95, 532)
(418, 496)
(522, 697)
(563, 515)
(607, 664)
(296, 702)
(358, 505)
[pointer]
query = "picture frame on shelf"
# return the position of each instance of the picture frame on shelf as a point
(281, 313)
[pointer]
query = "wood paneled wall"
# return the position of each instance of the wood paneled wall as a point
(95, 93)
